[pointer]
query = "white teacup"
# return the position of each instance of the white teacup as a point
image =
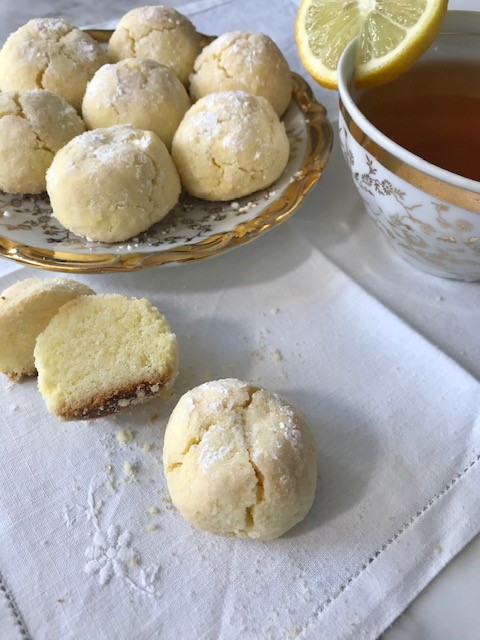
(431, 216)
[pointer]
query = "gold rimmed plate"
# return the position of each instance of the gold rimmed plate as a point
(195, 229)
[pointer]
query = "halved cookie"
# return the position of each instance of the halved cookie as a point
(104, 352)
(25, 310)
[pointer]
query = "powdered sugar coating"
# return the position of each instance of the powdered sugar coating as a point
(52, 54)
(34, 125)
(110, 184)
(239, 460)
(159, 33)
(142, 93)
(211, 454)
(247, 61)
(228, 145)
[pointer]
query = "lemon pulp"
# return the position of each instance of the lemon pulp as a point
(392, 34)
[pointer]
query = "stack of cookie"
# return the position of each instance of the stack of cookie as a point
(116, 180)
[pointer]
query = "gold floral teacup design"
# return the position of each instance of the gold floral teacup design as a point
(431, 216)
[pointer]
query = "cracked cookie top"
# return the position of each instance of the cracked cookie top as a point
(229, 145)
(52, 54)
(243, 61)
(111, 184)
(239, 460)
(159, 33)
(34, 125)
(143, 93)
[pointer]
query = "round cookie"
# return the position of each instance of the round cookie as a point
(34, 125)
(143, 93)
(229, 145)
(25, 310)
(243, 61)
(52, 54)
(100, 353)
(159, 33)
(111, 184)
(239, 461)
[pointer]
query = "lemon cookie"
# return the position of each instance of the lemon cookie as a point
(245, 61)
(104, 352)
(52, 54)
(159, 33)
(143, 93)
(229, 145)
(34, 125)
(25, 310)
(111, 184)
(239, 460)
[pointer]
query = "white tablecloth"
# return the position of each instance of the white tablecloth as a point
(383, 359)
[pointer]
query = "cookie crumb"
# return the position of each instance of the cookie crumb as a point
(97, 507)
(154, 510)
(167, 503)
(129, 469)
(151, 527)
(124, 436)
(147, 447)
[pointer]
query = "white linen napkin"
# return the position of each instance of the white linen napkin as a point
(396, 426)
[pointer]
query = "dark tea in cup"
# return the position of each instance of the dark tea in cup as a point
(433, 110)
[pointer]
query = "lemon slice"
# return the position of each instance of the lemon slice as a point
(393, 34)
